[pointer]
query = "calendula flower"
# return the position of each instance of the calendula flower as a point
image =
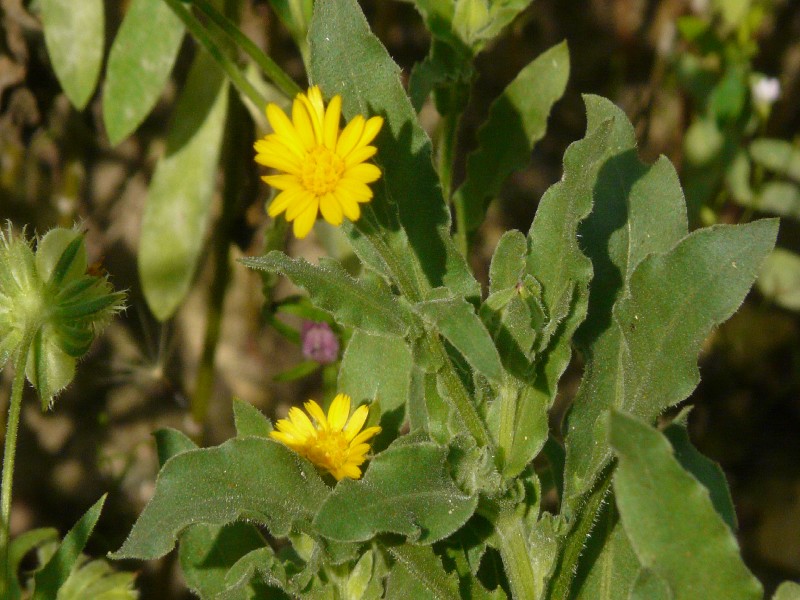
(333, 442)
(323, 169)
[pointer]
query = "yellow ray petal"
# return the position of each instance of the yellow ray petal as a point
(365, 173)
(356, 422)
(339, 411)
(281, 124)
(315, 410)
(371, 129)
(282, 182)
(317, 102)
(303, 123)
(284, 200)
(350, 207)
(300, 420)
(305, 221)
(362, 437)
(350, 136)
(331, 210)
(359, 155)
(357, 190)
(331, 123)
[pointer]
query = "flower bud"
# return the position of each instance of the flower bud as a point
(49, 302)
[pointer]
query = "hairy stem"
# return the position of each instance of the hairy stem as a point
(12, 426)
(511, 536)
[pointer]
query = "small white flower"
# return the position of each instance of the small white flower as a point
(766, 90)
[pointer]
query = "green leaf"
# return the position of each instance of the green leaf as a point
(779, 156)
(352, 302)
(377, 368)
(74, 33)
(779, 279)
(171, 442)
(670, 520)
(788, 590)
(139, 64)
(97, 580)
(455, 319)
(674, 300)
(608, 567)
(248, 571)
(638, 210)
(52, 576)
(20, 546)
(508, 262)
(244, 478)
(207, 553)
(405, 490)
(705, 470)
(249, 420)
(179, 200)
(649, 586)
(555, 260)
(347, 59)
(49, 368)
(418, 573)
(517, 120)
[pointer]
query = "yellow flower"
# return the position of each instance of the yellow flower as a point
(333, 442)
(324, 169)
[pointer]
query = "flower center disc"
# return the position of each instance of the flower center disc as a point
(329, 450)
(321, 171)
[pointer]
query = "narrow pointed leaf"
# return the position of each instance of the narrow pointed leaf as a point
(52, 576)
(248, 478)
(179, 200)
(171, 442)
(670, 520)
(352, 302)
(517, 120)
(139, 64)
(348, 59)
(74, 33)
(405, 490)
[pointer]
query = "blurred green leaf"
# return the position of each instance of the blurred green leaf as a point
(52, 576)
(97, 580)
(649, 586)
(517, 120)
(788, 590)
(348, 59)
(353, 302)
(778, 197)
(703, 141)
(406, 489)
(139, 64)
(779, 279)
(249, 420)
(670, 520)
(299, 371)
(74, 33)
(733, 12)
(179, 199)
(779, 156)
(19, 547)
(418, 573)
(244, 478)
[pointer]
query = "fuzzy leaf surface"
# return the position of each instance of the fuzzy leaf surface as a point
(244, 478)
(352, 302)
(347, 59)
(517, 120)
(670, 520)
(249, 420)
(418, 573)
(405, 490)
(179, 199)
(74, 33)
(139, 64)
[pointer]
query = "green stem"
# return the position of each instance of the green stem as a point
(270, 68)
(575, 541)
(510, 533)
(227, 64)
(12, 426)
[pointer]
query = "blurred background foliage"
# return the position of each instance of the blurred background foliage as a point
(712, 84)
